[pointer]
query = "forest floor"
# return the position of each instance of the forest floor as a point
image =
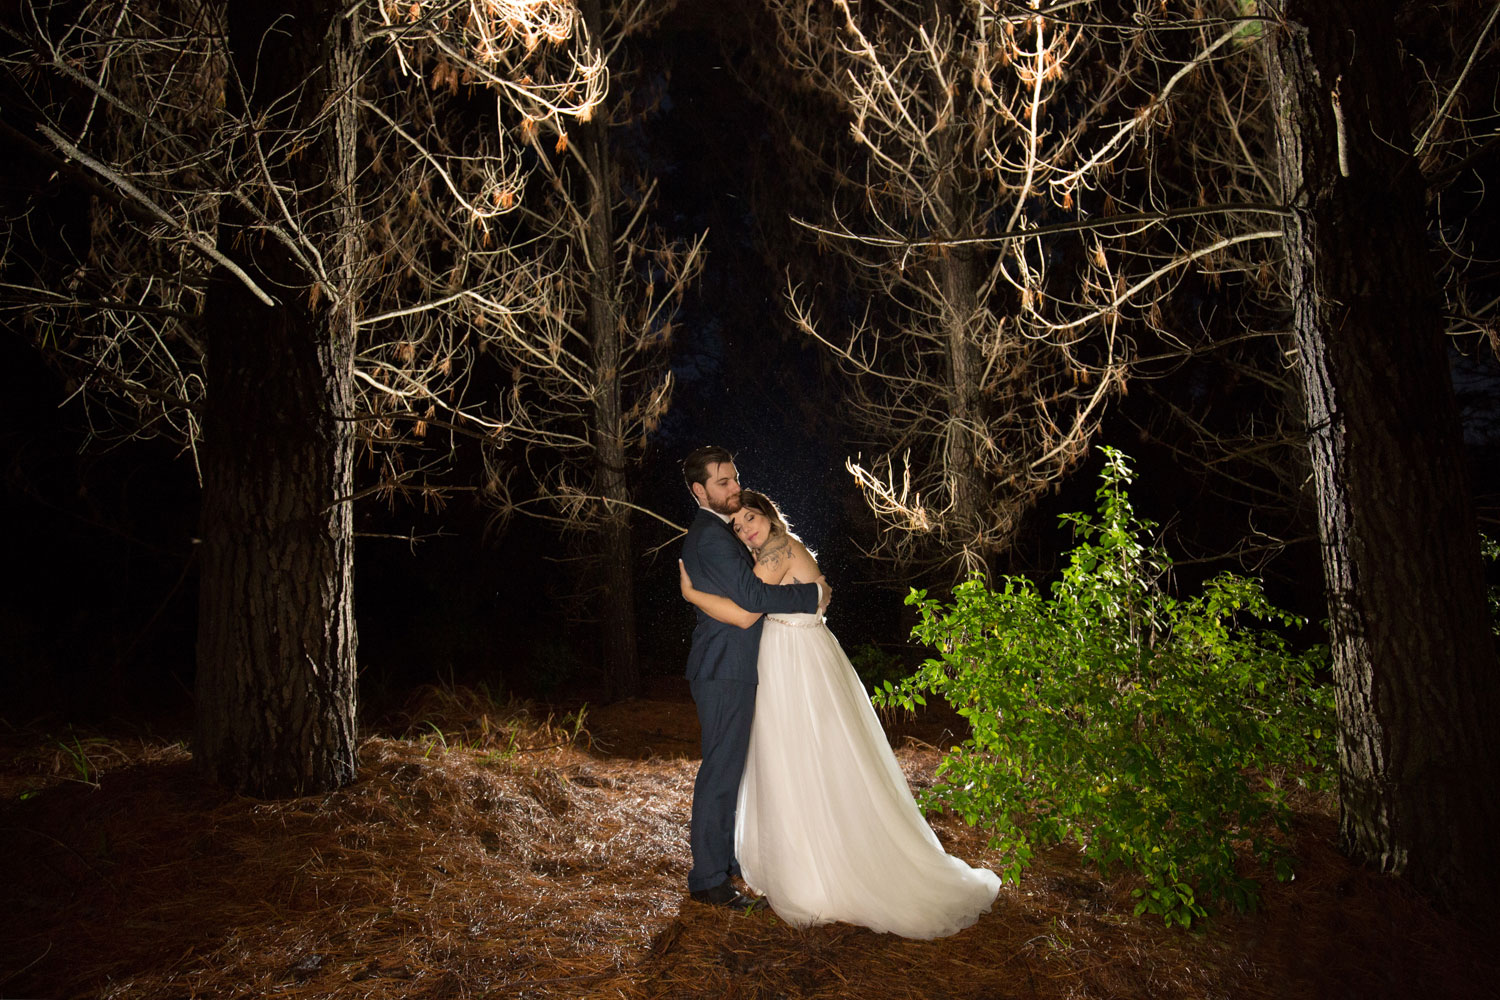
(494, 851)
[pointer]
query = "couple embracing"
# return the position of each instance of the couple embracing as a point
(798, 793)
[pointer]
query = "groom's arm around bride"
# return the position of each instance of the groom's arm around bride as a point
(713, 555)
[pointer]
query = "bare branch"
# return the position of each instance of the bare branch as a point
(201, 244)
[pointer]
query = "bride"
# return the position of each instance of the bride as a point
(826, 828)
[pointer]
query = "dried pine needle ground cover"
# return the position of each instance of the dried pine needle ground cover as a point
(489, 853)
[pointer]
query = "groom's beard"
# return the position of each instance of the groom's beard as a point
(729, 506)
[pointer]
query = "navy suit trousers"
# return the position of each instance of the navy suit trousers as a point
(726, 710)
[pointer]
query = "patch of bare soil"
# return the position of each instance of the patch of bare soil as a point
(500, 852)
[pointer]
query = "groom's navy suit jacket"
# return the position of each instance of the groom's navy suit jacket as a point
(720, 564)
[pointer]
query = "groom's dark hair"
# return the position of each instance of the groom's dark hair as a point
(695, 466)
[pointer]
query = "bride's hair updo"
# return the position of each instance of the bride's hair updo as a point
(763, 505)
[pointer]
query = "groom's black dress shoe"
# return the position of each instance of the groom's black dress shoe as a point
(726, 895)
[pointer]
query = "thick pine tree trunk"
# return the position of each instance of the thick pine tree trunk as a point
(606, 326)
(276, 641)
(1414, 662)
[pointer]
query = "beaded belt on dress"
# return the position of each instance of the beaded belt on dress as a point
(816, 623)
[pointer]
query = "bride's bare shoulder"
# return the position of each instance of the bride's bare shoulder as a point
(801, 563)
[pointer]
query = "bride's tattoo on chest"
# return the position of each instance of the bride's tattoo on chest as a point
(775, 552)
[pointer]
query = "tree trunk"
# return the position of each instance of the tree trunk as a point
(606, 326)
(957, 277)
(966, 474)
(276, 641)
(1414, 662)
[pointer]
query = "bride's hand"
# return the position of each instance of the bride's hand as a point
(685, 581)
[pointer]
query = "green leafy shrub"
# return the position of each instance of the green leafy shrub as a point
(1156, 732)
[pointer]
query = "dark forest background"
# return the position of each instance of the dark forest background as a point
(100, 622)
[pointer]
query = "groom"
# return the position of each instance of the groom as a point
(721, 667)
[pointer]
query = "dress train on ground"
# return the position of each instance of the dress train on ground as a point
(826, 827)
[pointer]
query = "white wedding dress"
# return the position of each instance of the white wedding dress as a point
(826, 827)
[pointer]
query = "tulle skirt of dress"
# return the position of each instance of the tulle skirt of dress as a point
(826, 827)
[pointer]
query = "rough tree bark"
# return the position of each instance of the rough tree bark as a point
(1414, 662)
(276, 646)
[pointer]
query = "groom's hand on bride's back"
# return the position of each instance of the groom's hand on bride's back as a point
(825, 594)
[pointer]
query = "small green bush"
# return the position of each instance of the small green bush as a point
(1155, 732)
